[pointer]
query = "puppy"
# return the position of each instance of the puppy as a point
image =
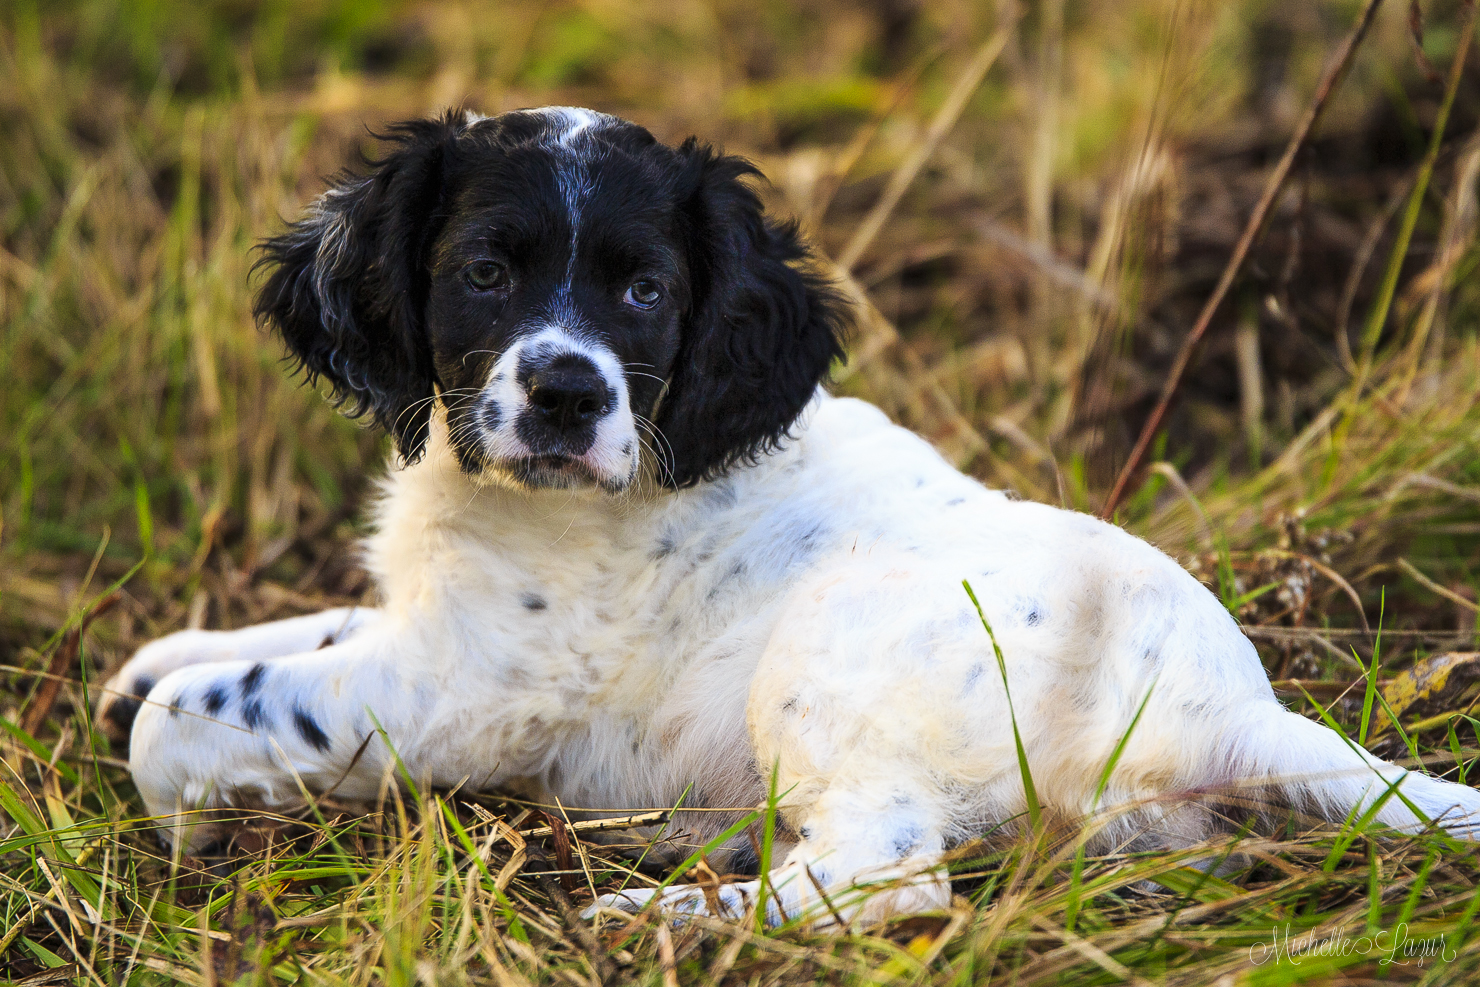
(635, 550)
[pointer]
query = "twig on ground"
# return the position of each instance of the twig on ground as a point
(602, 964)
(1329, 83)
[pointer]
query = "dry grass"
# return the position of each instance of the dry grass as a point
(1046, 237)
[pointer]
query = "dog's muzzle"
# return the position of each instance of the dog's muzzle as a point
(560, 415)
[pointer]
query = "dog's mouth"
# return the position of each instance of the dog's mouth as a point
(553, 470)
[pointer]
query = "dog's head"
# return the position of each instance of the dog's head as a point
(569, 289)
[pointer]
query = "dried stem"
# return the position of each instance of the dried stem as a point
(1329, 83)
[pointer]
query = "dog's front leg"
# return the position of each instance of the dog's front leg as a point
(258, 734)
(121, 696)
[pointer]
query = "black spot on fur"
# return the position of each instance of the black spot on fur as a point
(176, 704)
(124, 709)
(907, 841)
(744, 861)
(805, 832)
(215, 699)
(490, 414)
(254, 714)
(469, 458)
(252, 681)
(1034, 617)
(309, 729)
(533, 601)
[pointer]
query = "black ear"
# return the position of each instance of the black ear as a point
(761, 333)
(348, 283)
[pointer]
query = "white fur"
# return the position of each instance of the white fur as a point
(805, 613)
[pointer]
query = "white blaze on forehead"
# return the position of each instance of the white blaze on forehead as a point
(572, 121)
(569, 124)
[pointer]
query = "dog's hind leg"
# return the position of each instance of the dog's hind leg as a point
(864, 853)
(121, 696)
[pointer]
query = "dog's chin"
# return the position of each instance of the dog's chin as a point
(553, 472)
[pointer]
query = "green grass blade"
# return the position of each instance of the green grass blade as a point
(768, 837)
(1035, 809)
(1075, 877)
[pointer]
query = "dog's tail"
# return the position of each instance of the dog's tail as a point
(1314, 769)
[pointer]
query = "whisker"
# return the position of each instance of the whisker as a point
(665, 458)
(493, 353)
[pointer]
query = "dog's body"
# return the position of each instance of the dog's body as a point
(774, 586)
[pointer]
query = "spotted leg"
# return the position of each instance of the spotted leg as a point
(123, 694)
(257, 734)
(865, 854)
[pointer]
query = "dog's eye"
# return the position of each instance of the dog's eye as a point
(487, 275)
(643, 294)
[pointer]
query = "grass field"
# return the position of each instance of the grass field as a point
(1033, 202)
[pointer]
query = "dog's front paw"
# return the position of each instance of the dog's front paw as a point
(124, 694)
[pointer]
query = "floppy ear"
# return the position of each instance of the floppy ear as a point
(348, 283)
(761, 334)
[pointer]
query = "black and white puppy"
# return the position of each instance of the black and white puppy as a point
(635, 549)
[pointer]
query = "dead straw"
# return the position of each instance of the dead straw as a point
(1255, 226)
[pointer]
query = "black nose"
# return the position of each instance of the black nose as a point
(568, 392)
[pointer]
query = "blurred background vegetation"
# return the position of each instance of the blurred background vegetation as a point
(1063, 183)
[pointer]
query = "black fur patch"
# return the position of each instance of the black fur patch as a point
(254, 714)
(348, 284)
(309, 729)
(252, 681)
(215, 699)
(125, 709)
(744, 861)
(907, 841)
